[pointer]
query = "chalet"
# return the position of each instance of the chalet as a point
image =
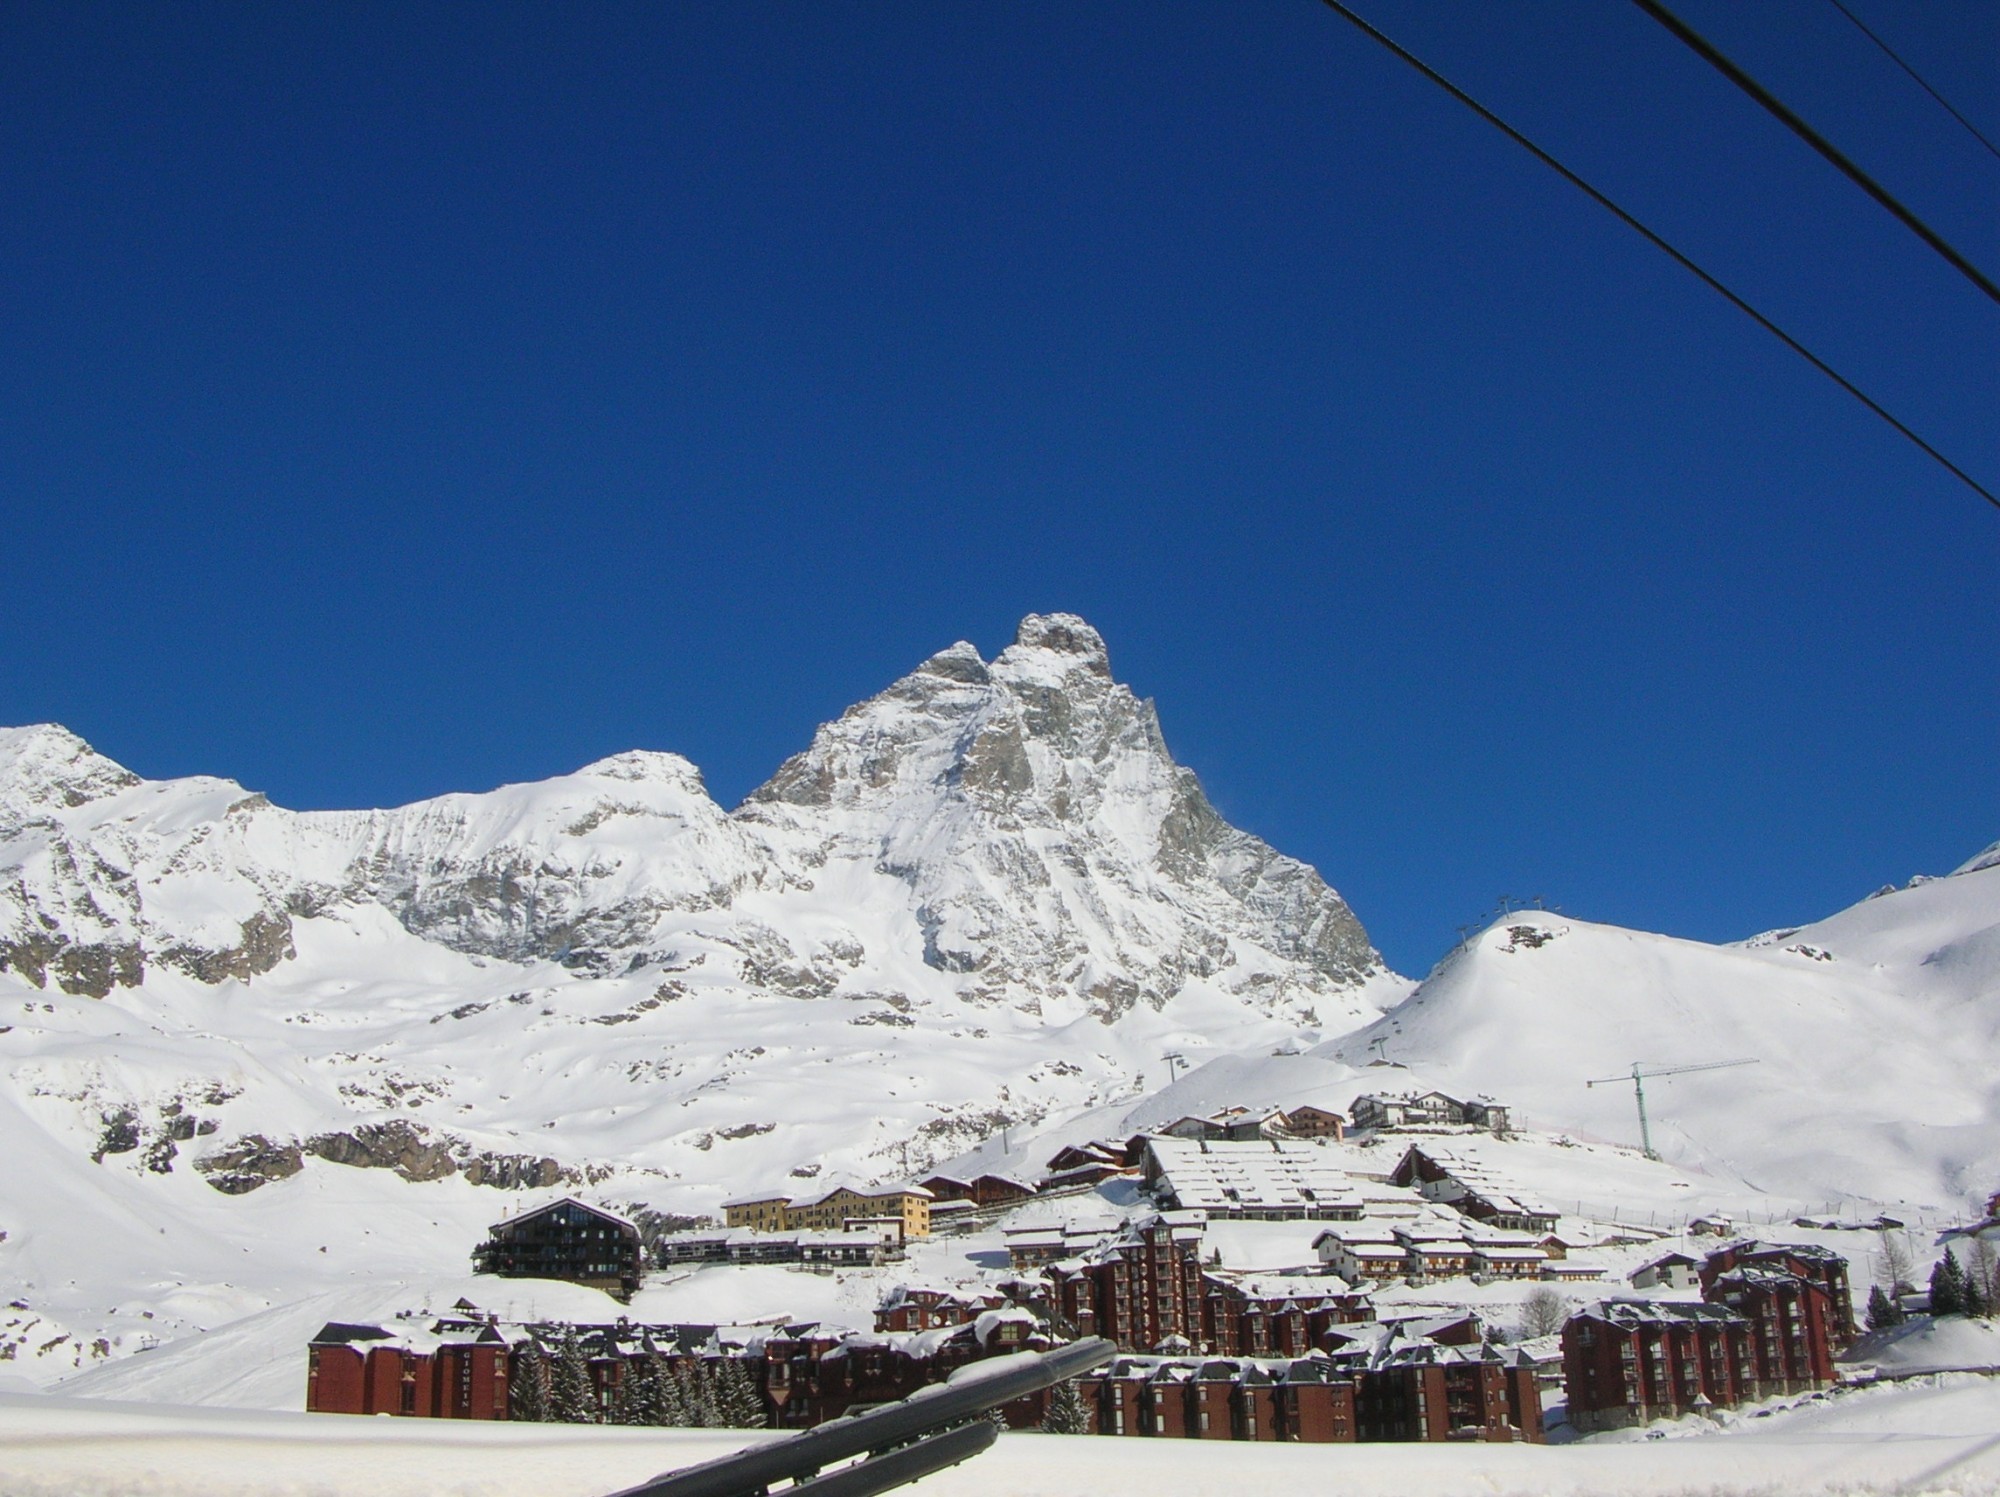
(1307, 1121)
(1504, 1260)
(1097, 1151)
(983, 1191)
(950, 1216)
(1571, 1271)
(1484, 1112)
(1674, 1271)
(1362, 1256)
(1381, 1112)
(947, 1188)
(565, 1240)
(1433, 1253)
(1428, 1109)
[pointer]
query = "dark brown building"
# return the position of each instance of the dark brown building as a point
(1433, 1393)
(1629, 1361)
(1148, 1291)
(1772, 1321)
(1817, 1265)
(565, 1240)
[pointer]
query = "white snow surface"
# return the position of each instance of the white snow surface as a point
(1876, 1034)
(1934, 1438)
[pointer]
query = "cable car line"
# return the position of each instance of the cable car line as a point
(1890, 52)
(1661, 243)
(1709, 53)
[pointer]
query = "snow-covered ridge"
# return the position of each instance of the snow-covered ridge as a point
(1026, 815)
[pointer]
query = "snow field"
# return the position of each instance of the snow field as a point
(1939, 1438)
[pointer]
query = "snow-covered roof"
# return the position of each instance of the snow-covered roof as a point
(1634, 1312)
(1263, 1174)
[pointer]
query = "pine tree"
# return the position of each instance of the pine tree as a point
(572, 1395)
(698, 1394)
(1883, 1312)
(1066, 1414)
(1984, 1271)
(669, 1407)
(1947, 1286)
(528, 1386)
(741, 1404)
(1973, 1299)
(632, 1395)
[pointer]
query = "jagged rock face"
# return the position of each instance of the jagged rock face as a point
(1051, 847)
(1046, 847)
(103, 873)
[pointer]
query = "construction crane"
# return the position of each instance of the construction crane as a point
(1639, 1077)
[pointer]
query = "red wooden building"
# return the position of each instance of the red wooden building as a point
(1772, 1321)
(1432, 1393)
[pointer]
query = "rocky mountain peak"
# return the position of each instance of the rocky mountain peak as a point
(1064, 636)
(45, 768)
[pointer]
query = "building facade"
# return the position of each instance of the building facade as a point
(565, 1240)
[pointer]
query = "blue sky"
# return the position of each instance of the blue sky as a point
(407, 398)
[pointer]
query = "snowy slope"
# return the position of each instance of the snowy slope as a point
(248, 1051)
(1920, 1438)
(1876, 1032)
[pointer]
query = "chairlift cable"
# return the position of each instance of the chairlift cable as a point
(1922, 83)
(1660, 242)
(1713, 56)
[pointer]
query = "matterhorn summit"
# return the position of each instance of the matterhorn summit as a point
(1052, 850)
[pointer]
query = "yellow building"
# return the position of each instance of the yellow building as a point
(766, 1213)
(830, 1210)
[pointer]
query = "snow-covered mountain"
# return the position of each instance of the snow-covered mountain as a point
(985, 897)
(1876, 1034)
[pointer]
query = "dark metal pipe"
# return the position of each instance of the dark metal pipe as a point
(924, 1412)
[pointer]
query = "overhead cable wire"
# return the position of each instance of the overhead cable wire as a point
(1661, 243)
(1891, 53)
(1712, 55)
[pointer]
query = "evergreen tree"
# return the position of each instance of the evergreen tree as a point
(631, 1395)
(528, 1386)
(1066, 1414)
(1947, 1286)
(669, 1407)
(1972, 1297)
(1883, 1312)
(1984, 1270)
(572, 1395)
(741, 1403)
(698, 1394)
